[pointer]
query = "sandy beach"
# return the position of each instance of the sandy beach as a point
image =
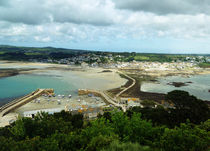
(89, 72)
(91, 78)
(19, 64)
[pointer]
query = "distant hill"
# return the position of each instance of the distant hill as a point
(25, 53)
(7, 48)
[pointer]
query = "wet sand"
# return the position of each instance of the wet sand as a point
(112, 78)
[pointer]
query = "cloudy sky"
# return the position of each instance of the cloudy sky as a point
(165, 26)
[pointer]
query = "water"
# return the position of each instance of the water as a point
(199, 86)
(20, 85)
(63, 82)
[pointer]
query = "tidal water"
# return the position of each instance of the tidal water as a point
(17, 86)
(62, 82)
(199, 86)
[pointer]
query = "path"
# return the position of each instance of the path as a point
(121, 92)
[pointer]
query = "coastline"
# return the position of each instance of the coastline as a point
(196, 85)
(141, 77)
(135, 91)
(115, 84)
(98, 79)
(164, 73)
(17, 67)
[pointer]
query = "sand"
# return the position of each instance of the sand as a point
(18, 64)
(112, 79)
(91, 77)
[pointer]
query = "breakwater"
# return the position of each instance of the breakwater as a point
(19, 102)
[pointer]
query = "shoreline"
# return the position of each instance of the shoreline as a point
(137, 92)
(98, 79)
(19, 67)
(91, 73)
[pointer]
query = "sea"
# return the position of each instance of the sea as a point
(67, 82)
(197, 85)
(63, 83)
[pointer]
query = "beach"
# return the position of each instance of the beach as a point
(64, 79)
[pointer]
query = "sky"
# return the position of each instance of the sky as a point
(153, 26)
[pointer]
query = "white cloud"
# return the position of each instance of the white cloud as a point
(98, 20)
(42, 39)
(96, 12)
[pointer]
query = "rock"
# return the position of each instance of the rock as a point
(177, 84)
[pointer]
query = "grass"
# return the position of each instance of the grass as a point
(141, 58)
(33, 53)
(204, 65)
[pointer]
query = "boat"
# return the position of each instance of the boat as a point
(59, 102)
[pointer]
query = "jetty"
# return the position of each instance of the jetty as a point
(11, 106)
(103, 95)
(106, 97)
(133, 83)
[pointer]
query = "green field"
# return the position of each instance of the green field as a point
(32, 53)
(205, 65)
(141, 58)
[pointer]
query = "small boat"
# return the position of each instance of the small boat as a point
(59, 102)
(90, 95)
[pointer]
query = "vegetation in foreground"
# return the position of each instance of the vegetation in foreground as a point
(135, 130)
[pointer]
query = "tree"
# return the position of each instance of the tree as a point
(181, 99)
(185, 138)
(18, 130)
(120, 123)
(187, 106)
(98, 134)
(142, 131)
(118, 146)
(148, 103)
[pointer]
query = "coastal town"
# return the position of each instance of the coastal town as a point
(111, 61)
(104, 75)
(90, 102)
(128, 72)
